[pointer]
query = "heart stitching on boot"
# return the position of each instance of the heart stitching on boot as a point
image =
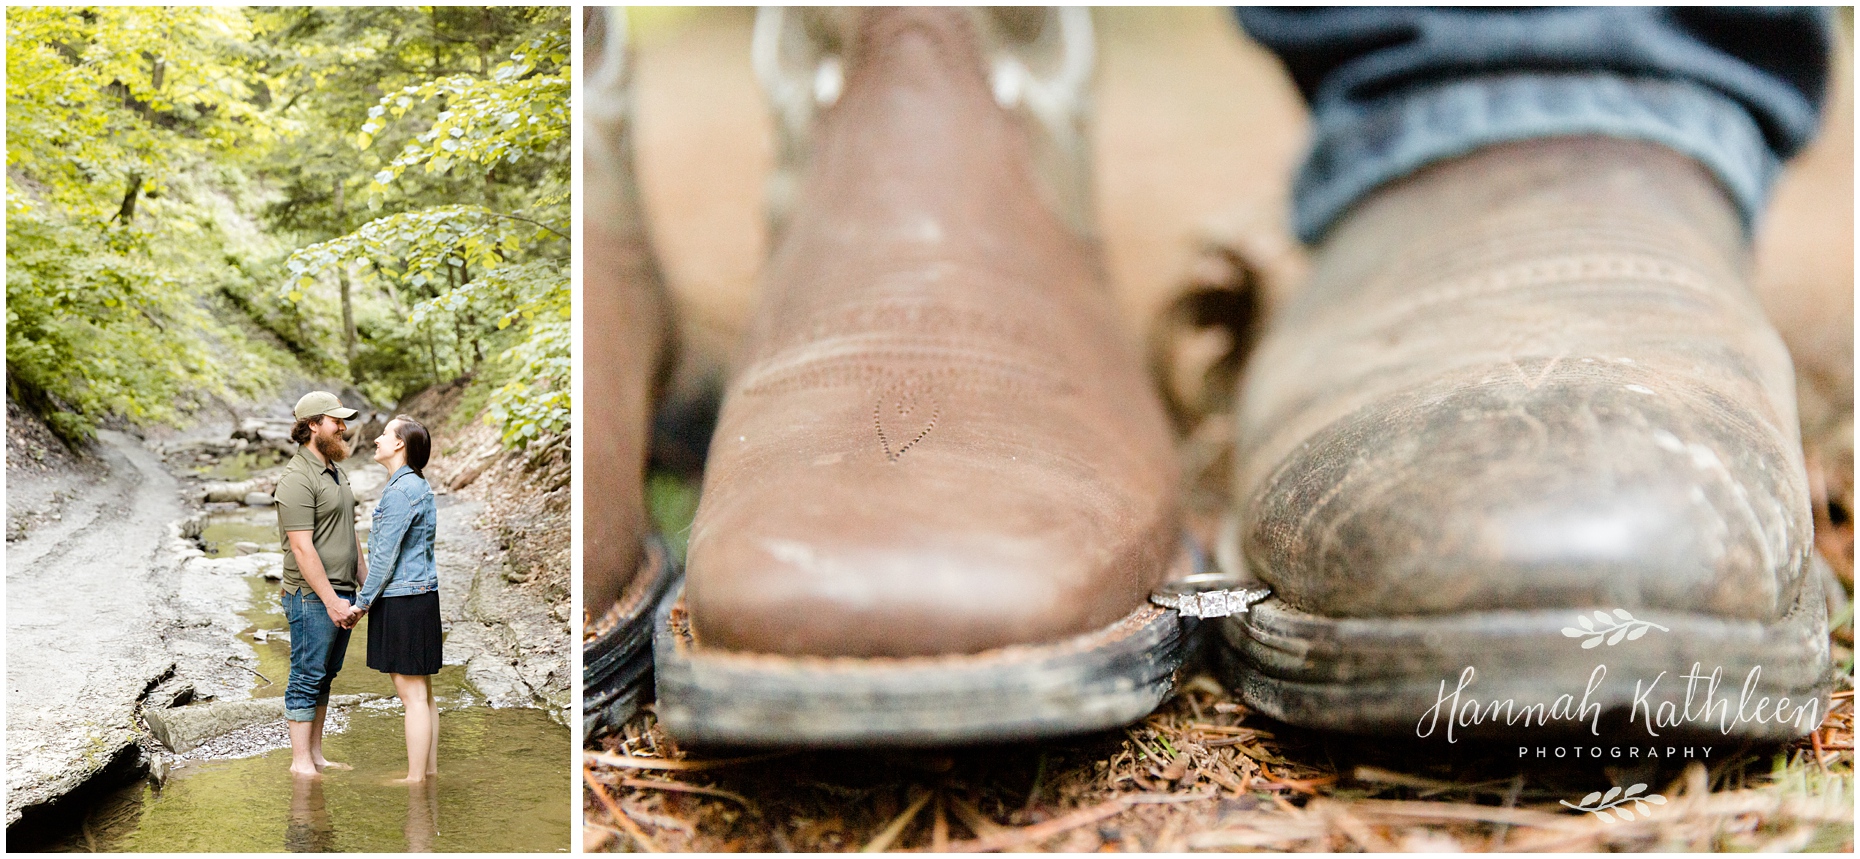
(896, 406)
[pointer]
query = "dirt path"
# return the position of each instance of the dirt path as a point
(84, 625)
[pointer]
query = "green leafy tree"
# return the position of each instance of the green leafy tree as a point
(328, 67)
(493, 271)
(123, 127)
(164, 163)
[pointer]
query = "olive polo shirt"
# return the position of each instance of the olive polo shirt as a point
(317, 498)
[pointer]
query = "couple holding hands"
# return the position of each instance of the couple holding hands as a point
(328, 586)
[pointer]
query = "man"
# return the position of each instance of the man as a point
(322, 571)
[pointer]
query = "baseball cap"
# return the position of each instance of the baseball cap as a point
(322, 403)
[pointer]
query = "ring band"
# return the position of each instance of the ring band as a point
(1206, 595)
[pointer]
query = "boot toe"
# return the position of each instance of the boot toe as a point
(957, 552)
(1597, 486)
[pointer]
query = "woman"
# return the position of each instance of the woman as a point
(401, 593)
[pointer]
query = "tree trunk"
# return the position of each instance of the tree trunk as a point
(458, 342)
(477, 349)
(438, 61)
(471, 324)
(127, 212)
(388, 289)
(432, 354)
(348, 323)
(348, 307)
(458, 332)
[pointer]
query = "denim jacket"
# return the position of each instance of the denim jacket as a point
(400, 543)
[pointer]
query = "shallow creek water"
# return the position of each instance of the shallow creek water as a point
(239, 466)
(503, 782)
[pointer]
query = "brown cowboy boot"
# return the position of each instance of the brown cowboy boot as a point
(1527, 420)
(626, 329)
(940, 488)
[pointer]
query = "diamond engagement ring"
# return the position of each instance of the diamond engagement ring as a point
(1207, 595)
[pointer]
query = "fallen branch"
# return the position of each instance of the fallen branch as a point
(1010, 838)
(1459, 811)
(973, 818)
(600, 793)
(1168, 798)
(232, 664)
(610, 759)
(681, 787)
(882, 841)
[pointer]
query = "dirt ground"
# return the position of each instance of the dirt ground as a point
(42, 473)
(87, 617)
(1197, 132)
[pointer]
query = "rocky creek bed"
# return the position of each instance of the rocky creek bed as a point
(147, 657)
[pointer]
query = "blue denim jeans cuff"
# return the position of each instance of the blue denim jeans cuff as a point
(317, 649)
(1356, 150)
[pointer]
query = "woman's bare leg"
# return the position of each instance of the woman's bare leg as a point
(432, 711)
(415, 691)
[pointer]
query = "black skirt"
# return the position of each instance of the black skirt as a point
(404, 634)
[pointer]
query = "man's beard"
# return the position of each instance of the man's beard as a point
(331, 447)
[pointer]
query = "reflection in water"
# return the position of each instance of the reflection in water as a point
(422, 815)
(503, 787)
(222, 533)
(309, 829)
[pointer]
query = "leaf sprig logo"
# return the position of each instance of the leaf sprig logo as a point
(1617, 801)
(1622, 626)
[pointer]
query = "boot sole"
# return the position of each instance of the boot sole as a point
(1102, 679)
(1406, 675)
(616, 673)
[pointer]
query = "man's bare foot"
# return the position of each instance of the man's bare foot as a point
(332, 765)
(298, 771)
(409, 780)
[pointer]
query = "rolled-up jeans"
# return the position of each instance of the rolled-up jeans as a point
(1393, 90)
(317, 648)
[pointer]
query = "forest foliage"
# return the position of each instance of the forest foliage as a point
(203, 202)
